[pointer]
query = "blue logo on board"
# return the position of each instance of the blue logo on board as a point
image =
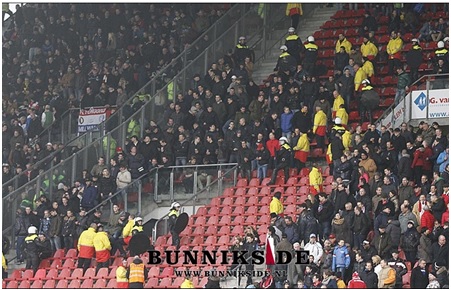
(421, 101)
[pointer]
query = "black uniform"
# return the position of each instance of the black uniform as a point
(32, 252)
(283, 157)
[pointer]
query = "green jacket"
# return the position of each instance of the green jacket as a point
(403, 80)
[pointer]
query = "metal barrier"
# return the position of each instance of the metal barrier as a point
(240, 20)
(396, 114)
(226, 177)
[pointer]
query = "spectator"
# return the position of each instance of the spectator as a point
(314, 248)
(369, 277)
(394, 48)
(419, 276)
(403, 84)
(369, 24)
(440, 252)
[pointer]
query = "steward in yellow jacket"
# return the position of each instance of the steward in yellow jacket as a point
(347, 138)
(276, 205)
(86, 248)
(319, 122)
(302, 149)
(187, 284)
(315, 180)
(338, 100)
(394, 46)
(343, 115)
(342, 41)
(368, 67)
(121, 276)
(127, 230)
(102, 246)
(360, 75)
(137, 273)
(86, 242)
(368, 48)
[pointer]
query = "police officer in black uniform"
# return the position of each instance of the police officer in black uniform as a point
(31, 249)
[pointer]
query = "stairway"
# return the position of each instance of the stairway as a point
(306, 27)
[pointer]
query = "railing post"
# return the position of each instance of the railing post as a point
(220, 182)
(155, 186)
(139, 195)
(235, 176)
(265, 36)
(74, 168)
(142, 123)
(195, 183)
(171, 185)
(428, 87)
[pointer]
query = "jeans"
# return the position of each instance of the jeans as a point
(262, 171)
(69, 242)
(325, 230)
(56, 242)
(19, 253)
(342, 270)
(180, 161)
(400, 93)
(287, 135)
(358, 240)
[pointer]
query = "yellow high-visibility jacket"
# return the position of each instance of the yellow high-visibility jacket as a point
(346, 43)
(315, 178)
(276, 206)
(368, 49)
(343, 115)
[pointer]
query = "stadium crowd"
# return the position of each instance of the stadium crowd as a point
(391, 186)
(64, 56)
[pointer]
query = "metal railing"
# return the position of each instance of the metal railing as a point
(89, 147)
(68, 127)
(226, 176)
(401, 112)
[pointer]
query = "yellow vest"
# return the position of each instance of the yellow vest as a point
(121, 274)
(276, 206)
(136, 273)
(343, 115)
(337, 102)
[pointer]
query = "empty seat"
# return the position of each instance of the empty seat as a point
(12, 285)
(112, 284)
(151, 283)
(90, 273)
(59, 254)
(87, 283)
(49, 284)
(74, 284)
(167, 272)
(103, 273)
(254, 182)
(37, 284)
(223, 240)
(40, 274)
(71, 253)
(225, 220)
(212, 221)
(154, 272)
(62, 284)
(24, 284)
(77, 273)
(69, 263)
(211, 240)
(27, 274)
(100, 283)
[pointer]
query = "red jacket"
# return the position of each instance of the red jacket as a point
(418, 158)
(272, 146)
(427, 165)
(427, 220)
(356, 284)
(445, 217)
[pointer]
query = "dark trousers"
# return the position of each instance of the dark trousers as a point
(32, 262)
(84, 263)
(136, 285)
(295, 20)
(68, 242)
(20, 254)
(175, 239)
(320, 141)
(298, 165)
(280, 166)
(102, 265)
(325, 230)
(118, 244)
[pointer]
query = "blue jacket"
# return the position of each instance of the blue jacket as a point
(285, 122)
(442, 162)
(89, 199)
(340, 258)
(292, 233)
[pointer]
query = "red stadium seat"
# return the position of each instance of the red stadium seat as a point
(154, 272)
(49, 284)
(71, 253)
(240, 191)
(250, 220)
(27, 274)
(40, 274)
(227, 201)
(241, 182)
(24, 284)
(151, 283)
(165, 283)
(62, 284)
(224, 240)
(201, 211)
(45, 263)
(177, 282)
(74, 284)
(12, 285)
(225, 230)
(211, 240)
(292, 180)
(200, 221)
(241, 200)
(239, 210)
(16, 274)
(59, 254)
(77, 273)
(87, 283)
(226, 211)
(112, 284)
(103, 273)
(100, 283)
(406, 280)
(198, 240)
(237, 230)
(90, 273)
(211, 230)
(212, 221)
(69, 263)
(290, 209)
(37, 284)
(254, 182)
(64, 274)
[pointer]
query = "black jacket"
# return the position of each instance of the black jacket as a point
(419, 279)
(370, 279)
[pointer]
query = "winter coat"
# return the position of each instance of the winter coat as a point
(419, 279)
(285, 122)
(370, 278)
(308, 225)
(414, 57)
(427, 220)
(86, 244)
(404, 219)
(341, 258)
(361, 224)
(403, 80)
(276, 206)
(410, 240)
(90, 198)
(440, 254)
(383, 244)
(425, 248)
(370, 98)
(394, 231)
(341, 230)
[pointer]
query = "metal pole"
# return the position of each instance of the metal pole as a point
(235, 176)
(142, 123)
(74, 168)
(139, 196)
(171, 185)
(155, 186)
(428, 86)
(265, 36)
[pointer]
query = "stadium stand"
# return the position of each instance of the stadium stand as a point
(389, 199)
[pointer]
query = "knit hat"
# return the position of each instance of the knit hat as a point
(355, 275)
